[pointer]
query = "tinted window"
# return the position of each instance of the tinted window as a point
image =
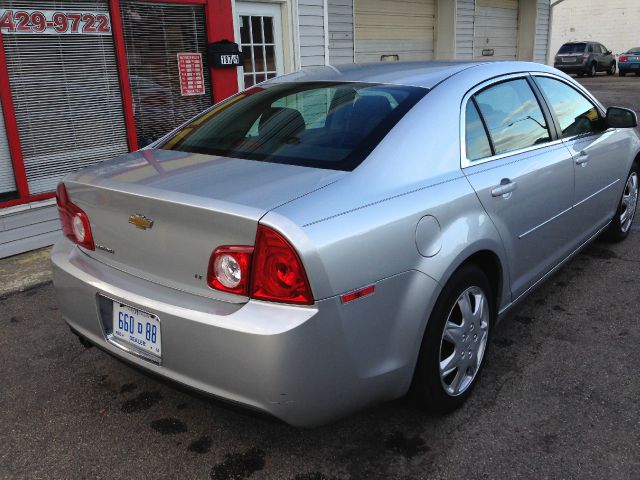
(634, 50)
(477, 143)
(513, 116)
(576, 114)
(317, 124)
(572, 48)
(590, 48)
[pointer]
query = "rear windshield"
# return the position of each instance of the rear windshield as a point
(572, 48)
(634, 51)
(317, 124)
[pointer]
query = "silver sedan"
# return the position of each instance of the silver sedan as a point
(338, 237)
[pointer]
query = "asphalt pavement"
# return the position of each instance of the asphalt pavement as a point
(559, 397)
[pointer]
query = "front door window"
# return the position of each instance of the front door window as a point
(258, 45)
(260, 33)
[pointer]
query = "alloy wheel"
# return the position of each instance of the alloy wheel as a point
(629, 202)
(464, 341)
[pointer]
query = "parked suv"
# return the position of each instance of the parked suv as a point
(585, 58)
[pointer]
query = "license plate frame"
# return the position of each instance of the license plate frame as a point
(143, 324)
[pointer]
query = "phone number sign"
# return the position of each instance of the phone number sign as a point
(54, 22)
(191, 74)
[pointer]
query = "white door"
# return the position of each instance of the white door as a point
(496, 29)
(260, 32)
(394, 30)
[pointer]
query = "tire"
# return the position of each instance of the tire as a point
(623, 219)
(581, 74)
(442, 393)
(593, 70)
(622, 74)
(612, 69)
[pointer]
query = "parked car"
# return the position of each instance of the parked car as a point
(629, 62)
(585, 58)
(327, 240)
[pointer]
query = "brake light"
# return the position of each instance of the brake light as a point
(278, 274)
(623, 59)
(272, 270)
(75, 223)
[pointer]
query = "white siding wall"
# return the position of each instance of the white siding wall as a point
(311, 18)
(464, 29)
(27, 227)
(614, 23)
(542, 32)
(340, 31)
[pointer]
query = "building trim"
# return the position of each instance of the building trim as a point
(123, 73)
(220, 26)
(11, 127)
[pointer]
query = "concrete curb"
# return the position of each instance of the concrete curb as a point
(25, 271)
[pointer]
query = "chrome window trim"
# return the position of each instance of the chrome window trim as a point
(465, 162)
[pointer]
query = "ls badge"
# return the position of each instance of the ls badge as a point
(140, 221)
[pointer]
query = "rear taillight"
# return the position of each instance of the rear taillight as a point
(229, 269)
(278, 274)
(272, 270)
(623, 59)
(75, 223)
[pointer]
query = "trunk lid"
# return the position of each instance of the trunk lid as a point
(160, 214)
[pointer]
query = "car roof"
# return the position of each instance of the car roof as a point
(419, 74)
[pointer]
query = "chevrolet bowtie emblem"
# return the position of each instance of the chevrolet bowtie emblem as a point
(140, 221)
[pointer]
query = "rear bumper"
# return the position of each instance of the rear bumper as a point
(629, 67)
(572, 67)
(304, 365)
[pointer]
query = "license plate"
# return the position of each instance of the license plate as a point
(138, 329)
(568, 60)
(634, 59)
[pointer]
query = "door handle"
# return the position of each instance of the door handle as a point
(505, 188)
(582, 158)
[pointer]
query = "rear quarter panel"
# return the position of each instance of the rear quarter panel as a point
(362, 228)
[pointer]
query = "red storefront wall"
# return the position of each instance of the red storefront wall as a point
(219, 24)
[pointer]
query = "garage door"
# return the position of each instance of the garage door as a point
(394, 27)
(496, 29)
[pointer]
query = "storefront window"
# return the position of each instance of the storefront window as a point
(166, 56)
(7, 179)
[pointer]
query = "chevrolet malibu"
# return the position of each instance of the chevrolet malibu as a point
(338, 237)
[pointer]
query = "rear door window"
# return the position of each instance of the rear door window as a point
(513, 116)
(576, 114)
(318, 124)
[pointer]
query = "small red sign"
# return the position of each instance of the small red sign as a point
(191, 74)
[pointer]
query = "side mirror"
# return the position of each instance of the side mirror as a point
(618, 117)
